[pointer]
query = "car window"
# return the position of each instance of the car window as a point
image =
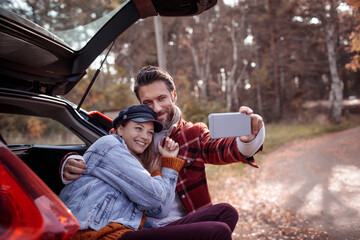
(22, 129)
(74, 21)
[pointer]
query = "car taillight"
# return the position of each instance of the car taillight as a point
(20, 219)
(28, 208)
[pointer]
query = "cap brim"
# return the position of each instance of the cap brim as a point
(157, 125)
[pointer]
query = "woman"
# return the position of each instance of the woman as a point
(116, 192)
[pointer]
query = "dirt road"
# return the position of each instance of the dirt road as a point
(307, 189)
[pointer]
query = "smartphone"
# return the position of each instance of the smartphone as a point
(233, 124)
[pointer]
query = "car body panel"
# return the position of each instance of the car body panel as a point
(33, 211)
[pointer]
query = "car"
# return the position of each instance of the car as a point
(39, 64)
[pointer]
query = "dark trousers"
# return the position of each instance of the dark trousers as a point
(216, 222)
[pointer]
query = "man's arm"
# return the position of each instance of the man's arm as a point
(239, 149)
(248, 149)
(72, 166)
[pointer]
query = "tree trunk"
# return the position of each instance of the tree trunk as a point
(201, 53)
(274, 54)
(257, 83)
(159, 42)
(202, 70)
(231, 91)
(335, 96)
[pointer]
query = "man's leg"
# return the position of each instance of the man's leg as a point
(208, 230)
(216, 222)
(222, 212)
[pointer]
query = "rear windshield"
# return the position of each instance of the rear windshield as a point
(75, 22)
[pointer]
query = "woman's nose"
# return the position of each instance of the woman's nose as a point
(145, 135)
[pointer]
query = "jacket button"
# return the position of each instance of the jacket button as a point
(183, 196)
(188, 161)
(136, 210)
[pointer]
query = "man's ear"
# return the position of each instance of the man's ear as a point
(174, 96)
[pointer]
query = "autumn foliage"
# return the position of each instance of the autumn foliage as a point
(354, 65)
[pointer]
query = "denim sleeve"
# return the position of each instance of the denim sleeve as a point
(115, 165)
(164, 209)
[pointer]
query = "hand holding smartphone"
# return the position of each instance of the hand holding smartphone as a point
(234, 124)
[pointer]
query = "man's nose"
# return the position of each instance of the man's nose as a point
(157, 107)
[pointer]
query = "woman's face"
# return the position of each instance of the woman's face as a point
(137, 136)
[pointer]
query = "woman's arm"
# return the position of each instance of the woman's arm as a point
(123, 171)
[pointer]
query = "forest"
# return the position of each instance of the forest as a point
(287, 60)
(271, 55)
(294, 62)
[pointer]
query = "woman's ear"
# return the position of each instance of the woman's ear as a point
(120, 130)
(112, 131)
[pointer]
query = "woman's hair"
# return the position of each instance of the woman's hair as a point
(146, 157)
(150, 74)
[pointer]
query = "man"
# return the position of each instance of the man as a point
(155, 88)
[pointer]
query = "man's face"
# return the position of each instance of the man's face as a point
(160, 99)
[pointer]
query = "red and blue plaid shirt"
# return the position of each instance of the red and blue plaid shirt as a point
(196, 148)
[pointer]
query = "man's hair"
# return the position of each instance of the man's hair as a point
(150, 74)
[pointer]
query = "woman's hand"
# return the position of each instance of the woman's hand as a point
(169, 148)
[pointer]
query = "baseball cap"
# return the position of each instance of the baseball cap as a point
(138, 113)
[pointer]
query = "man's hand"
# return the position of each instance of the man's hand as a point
(73, 169)
(256, 124)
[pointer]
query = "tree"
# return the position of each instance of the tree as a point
(159, 42)
(335, 96)
(198, 39)
(274, 55)
(354, 64)
(326, 11)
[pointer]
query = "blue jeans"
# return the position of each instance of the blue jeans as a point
(216, 222)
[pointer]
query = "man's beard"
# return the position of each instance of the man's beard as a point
(168, 122)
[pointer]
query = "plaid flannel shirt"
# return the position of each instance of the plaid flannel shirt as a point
(196, 148)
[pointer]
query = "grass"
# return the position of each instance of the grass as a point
(281, 133)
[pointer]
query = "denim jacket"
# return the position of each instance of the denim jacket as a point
(116, 188)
